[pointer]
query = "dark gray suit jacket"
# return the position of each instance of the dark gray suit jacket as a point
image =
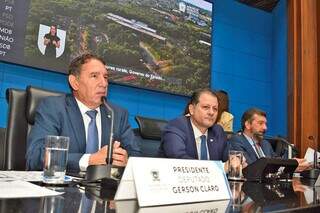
(61, 116)
(240, 143)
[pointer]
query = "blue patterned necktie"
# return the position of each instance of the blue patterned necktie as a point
(93, 139)
(204, 152)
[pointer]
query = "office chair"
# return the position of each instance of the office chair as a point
(2, 147)
(21, 110)
(149, 135)
(229, 134)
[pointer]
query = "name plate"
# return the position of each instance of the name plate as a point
(161, 181)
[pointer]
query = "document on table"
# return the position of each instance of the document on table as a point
(309, 156)
(32, 176)
(23, 189)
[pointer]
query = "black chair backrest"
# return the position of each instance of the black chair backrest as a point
(34, 96)
(2, 147)
(22, 105)
(229, 134)
(150, 128)
(149, 135)
(16, 133)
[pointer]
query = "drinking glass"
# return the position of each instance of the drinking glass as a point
(55, 159)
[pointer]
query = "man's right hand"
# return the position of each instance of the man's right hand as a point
(303, 165)
(99, 157)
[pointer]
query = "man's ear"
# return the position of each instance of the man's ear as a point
(247, 124)
(191, 109)
(73, 81)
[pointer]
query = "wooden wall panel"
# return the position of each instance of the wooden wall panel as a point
(303, 78)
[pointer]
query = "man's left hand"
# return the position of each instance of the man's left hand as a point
(119, 155)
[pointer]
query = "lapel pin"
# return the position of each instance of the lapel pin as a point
(211, 140)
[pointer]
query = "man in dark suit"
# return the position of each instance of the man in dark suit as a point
(84, 118)
(250, 141)
(195, 135)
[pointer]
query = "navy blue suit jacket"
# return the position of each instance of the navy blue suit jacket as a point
(61, 116)
(240, 143)
(178, 141)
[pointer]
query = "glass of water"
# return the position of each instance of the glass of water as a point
(55, 159)
(235, 165)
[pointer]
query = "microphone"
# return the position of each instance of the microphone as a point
(108, 183)
(290, 146)
(103, 172)
(110, 148)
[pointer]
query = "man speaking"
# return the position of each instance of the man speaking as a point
(250, 141)
(83, 118)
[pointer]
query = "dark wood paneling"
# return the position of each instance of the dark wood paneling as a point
(303, 78)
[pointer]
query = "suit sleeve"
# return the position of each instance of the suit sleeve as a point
(173, 143)
(236, 144)
(45, 124)
(126, 136)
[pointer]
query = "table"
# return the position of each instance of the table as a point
(297, 195)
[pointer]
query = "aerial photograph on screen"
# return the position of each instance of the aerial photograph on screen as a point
(161, 45)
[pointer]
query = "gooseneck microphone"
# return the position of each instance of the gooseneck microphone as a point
(103, 172)
(290, 146)
(110, 147)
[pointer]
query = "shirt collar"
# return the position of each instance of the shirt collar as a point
(249, 139)
(83, 108)
(196, 131)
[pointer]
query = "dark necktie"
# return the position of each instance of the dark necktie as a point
(93, 139)
(258, 149)
(204, 152)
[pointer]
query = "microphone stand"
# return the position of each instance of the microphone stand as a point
(110, 147)
(283, 140)
(108, 183)
(289, 145)
(103, 172)
(314, 172)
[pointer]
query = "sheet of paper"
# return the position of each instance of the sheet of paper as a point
(35, 176)
(31, 176)
(23, 189)
(309, 155)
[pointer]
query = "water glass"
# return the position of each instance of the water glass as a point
(55, 159)
(235, 165)
(237, 195)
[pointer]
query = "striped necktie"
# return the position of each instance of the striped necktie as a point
(258, 149)
(92, 145)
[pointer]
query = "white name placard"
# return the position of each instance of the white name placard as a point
(159, 181)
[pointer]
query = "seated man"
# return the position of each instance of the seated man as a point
(84, 118)
(196, 136)
(250, 141)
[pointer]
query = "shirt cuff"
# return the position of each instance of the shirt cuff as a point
(84, 162)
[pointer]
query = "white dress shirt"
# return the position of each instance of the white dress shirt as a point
(252, 142)
(197, 135)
